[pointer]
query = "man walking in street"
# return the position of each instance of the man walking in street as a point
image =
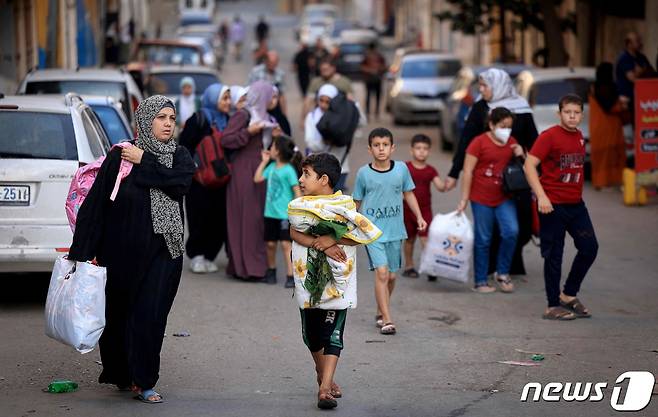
(269, 71)
(373, 68)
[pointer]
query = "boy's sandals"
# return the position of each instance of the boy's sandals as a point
(410, 273)
(559, 313)
(484, 289)
(388, 328)
(379, 320)
(504, 282)
(577, 307)
(326, 401)
(149, 396)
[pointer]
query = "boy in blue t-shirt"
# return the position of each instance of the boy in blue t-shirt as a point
(378, 191)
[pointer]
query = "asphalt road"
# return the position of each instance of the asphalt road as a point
(245, 356)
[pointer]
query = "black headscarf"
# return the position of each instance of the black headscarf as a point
(165, 211)
(605, 89)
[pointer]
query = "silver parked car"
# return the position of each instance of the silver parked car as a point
(111, 116)
(421, 84)
(116, 83)
(43, 141)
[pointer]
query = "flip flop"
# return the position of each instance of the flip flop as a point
(559, 313)
(146, 395)
(335, 391)
(388, 328)
(379, 320)
(410, 273)
(577, 307)
(326, 401)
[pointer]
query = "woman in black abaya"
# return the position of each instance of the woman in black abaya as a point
(138, 237)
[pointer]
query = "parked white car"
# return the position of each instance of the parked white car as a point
(43, 141)
(116, 83)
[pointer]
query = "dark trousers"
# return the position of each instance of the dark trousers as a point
(373, 87)
(135, 322)
(206, 221)
(573, 219)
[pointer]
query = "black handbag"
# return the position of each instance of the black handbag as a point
(514, 178)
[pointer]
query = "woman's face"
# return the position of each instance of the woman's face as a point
(485, 90)
(241, 102)
(323, 103)
(273, 102)
(224, 102)
(163, 124)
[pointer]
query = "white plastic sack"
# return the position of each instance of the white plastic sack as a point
(75, 307)
(449, 249)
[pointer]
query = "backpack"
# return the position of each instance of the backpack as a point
(83, 180)
(338, 124)
(213, 167)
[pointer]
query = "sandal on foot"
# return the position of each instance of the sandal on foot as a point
(149, 396)
(559, 313)
(379, 320)
(326, 401)
(577, 307)
(388, 328)
(410, 273)
(504, 282)
(124, 388)
(336, 391)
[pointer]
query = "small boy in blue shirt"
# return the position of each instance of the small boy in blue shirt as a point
(378, 192)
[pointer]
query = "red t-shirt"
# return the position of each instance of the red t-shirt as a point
(487, 185)
(562, 156)
(423, 180)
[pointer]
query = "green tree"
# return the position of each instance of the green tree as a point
(479, 16)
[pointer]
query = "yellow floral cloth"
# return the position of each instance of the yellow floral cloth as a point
(306, 212)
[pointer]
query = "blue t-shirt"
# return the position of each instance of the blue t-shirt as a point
(380, 193)
(279, 190)
(627, 62)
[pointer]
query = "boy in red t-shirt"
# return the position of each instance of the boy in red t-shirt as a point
(559, 191)
(424, 175)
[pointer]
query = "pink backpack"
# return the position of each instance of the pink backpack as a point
(83, 180)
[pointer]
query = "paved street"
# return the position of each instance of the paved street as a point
(245, 357)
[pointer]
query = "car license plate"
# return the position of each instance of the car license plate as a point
(14, 195)
(353, 58)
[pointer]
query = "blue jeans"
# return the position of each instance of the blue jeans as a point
(484, 218)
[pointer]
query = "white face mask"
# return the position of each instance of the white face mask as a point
(502, 133)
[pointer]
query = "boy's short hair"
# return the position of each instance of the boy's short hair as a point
(324, 164)
(380, 132)
(571, 99)
(499, 114)
(421, 138)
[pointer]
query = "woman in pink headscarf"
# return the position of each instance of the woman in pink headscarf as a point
(249, 131)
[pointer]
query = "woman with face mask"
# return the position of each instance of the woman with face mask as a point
(206, 207)
(497, 90)
(486, 158)
(138, 237)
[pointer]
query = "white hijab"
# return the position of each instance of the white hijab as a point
(504, 93)
(312, 136)
(237, 92)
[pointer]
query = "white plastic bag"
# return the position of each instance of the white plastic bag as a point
(75, 307)
(449, 249)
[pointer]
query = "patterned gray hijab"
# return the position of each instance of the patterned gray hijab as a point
(165, 212)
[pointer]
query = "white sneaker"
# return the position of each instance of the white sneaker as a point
(210, 266)
(198, 265)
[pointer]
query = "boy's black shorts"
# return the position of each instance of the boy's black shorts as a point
(276, 229)
(323, 329)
